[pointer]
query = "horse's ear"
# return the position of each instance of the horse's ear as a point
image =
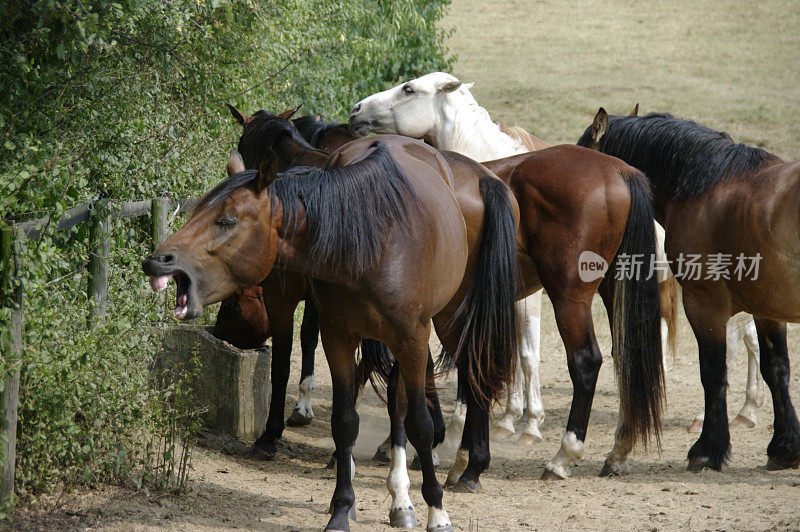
(317, 118)
(599, 126)
(287, 114)
(267, 171)
(449, 86)
(635, 111)
(468, 85)
(235, 163)
(238, 115)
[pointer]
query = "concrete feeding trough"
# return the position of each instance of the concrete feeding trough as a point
(232, 387)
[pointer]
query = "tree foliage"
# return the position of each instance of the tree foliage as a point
(127, 99)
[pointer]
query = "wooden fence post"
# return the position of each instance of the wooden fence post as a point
(11, 269)
(97, 291)
(159, 211)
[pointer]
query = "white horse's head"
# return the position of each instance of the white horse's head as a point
(416, 108)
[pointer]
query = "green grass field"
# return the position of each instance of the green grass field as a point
(547, 65)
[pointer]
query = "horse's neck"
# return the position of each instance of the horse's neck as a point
(291, 154)
(470, 131)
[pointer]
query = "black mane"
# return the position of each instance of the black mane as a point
(680, 157)
(348, 210)
(312, 129)
(262, 133)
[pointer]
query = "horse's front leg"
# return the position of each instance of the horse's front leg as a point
(530, 358)
(282, 326)
(574, 319)
(340, 352)
(708, 318)
(303, 414)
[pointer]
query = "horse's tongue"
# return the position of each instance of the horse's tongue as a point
(159, 283)
(183, 300)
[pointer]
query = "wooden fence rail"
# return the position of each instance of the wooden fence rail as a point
(12, 238)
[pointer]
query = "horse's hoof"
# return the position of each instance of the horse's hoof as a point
(615, 469)
(530, 439)
(380, 457)
(696, 426)
(548, 474)
(466, 486)
(697, 465)
(741, 422)
(297, 419)
(440, 528)
(400, 518)
(265, 450)
(331, 463)
(779, 464)
(501, 433)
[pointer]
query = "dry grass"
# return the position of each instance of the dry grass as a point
(547, 65)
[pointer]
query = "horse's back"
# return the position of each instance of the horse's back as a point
(431, 256)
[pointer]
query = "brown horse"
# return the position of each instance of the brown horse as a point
(386, 246)
(732, 212)
(253, 314)
(578, 208)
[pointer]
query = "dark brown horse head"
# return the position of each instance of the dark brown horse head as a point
(597, 129)
(229, 243)
(264, 131)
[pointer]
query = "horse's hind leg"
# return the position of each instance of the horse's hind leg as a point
(419, 426)
(435, 409)
(309, 336)
(344, 426)
(401, 514)
(784, 449)
(708, 315)
(574, 319)
(754, 392)
(503, 427)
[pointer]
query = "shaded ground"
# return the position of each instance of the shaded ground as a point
(292, 492)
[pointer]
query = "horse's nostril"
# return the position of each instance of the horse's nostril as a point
(168, 258)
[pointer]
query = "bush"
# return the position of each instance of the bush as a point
(127, 99)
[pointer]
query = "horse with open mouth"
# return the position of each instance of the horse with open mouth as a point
(386, 246)
(574, 203)
(733, 209)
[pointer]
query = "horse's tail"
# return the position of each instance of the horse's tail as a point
(376, 363)
(486, 315)
(637, 320)
(669, 295)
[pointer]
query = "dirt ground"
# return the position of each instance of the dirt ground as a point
(235, 491)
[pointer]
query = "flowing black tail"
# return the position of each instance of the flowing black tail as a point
(636, 327)
(486, 315)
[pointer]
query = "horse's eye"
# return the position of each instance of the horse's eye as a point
(407, 89)
(227, 221)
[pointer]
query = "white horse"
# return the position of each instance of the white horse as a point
(440, 109)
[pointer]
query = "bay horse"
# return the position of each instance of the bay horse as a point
(385, 245)
(574, 203)
(722, 201)
(740, 329)
(253, 314)
(264, 132)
